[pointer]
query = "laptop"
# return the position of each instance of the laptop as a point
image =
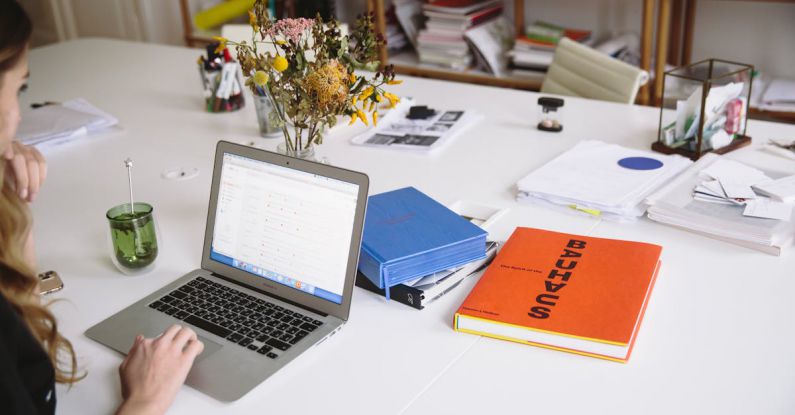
(281, 248)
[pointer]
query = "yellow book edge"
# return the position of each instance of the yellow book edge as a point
(538, 330)
(542, 345)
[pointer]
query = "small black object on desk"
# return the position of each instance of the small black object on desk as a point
(548, 106)
(420, 112)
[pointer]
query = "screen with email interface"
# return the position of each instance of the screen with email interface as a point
(288, 226)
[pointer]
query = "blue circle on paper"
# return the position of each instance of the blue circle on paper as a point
(640, 163)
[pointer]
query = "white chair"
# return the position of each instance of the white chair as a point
(580, 71)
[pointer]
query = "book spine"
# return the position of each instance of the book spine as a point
(370, 267)
(485, 17)
(409, 296)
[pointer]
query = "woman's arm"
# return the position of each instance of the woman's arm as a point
(155, 369)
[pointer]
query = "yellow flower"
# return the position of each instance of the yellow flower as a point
(354, 100)
(252, 18)
(279, 63)
(352, 78)
(261, 78)
(395, 82)
(378, 98)
(221, 44)
(375, 118)
(281, 42)
(353, 118)
(362, 117)
(393, 99)
(366, 93)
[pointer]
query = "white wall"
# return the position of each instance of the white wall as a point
(758, 33)
(761, 34)
(156, 21)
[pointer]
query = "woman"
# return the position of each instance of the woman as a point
(33, 354)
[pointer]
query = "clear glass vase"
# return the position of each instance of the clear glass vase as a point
(302, 153)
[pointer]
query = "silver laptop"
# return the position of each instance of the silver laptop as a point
(281, 248)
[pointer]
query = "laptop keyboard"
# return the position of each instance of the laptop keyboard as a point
(251, 322)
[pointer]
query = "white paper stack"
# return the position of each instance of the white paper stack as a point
(756, 222)
(601, 179)
(58, 123)
(779, 95)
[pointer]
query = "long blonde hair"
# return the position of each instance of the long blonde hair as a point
(19, 285)
(18, 282)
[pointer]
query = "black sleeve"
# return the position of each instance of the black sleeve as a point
(14, 396)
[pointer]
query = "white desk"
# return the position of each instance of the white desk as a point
(717, 335)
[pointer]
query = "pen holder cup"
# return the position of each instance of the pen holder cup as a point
(223, 88)
(133, 238)
(704, 108)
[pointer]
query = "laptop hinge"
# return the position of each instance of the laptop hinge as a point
(291, 302)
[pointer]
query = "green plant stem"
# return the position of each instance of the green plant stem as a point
(282, 117)
(298, 138)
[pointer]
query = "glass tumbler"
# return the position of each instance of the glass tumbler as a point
(133, 237)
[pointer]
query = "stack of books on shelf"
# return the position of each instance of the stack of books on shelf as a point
(442, 40)
(408, 236)
(533, 51)
(730, 201)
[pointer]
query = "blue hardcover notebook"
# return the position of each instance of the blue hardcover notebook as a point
(408, 234)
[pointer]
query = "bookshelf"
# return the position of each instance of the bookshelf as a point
(407, 62)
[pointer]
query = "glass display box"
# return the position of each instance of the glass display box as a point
(704, 108)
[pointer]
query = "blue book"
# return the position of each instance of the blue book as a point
(408, 235)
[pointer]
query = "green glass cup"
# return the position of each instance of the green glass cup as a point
(133, 237)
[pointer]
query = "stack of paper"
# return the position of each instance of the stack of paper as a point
(782, 190)
(722, 199)
(601, 179)
(58, 123)
(779, 96)
(409, 235)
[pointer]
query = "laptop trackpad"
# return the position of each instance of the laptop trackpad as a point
(210, 347)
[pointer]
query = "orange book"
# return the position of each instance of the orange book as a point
(573, 293)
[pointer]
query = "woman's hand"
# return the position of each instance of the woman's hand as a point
(155, 369)
(26, 169)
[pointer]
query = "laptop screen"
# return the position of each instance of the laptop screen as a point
(289, 226)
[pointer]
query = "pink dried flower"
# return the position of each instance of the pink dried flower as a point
(291, 29)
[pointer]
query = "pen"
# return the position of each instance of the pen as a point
(43, 104)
